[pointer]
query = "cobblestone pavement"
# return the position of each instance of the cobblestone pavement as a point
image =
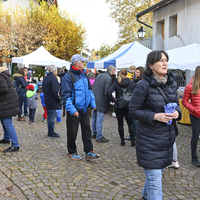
(42, 169)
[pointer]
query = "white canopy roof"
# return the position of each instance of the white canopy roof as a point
(41, 57)
(123, 57)
(186, 57)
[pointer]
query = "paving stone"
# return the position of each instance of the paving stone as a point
(42, 169)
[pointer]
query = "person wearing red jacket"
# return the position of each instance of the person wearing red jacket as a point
(192, 92)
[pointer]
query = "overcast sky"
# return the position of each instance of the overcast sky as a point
(101, 29)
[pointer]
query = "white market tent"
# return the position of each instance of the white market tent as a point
(183, 58)
(123, 57)
(41, 57)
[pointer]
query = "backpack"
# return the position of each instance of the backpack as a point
(124, 98)
(16, 87)
(73, 80)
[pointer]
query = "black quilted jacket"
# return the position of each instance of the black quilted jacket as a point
(154, 140)
(9, 101)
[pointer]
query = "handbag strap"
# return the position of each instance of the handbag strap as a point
(166, 99)
(162, 93)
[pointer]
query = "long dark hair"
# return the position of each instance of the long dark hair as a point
(152, 58)
(22, 71)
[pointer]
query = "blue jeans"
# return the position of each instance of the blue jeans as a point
(21, 101)
(51, 114)
(59, 113)
(97, 123)
(195, 123)
(153, 184)
(9, 131)
(32, 114)
(25, 105)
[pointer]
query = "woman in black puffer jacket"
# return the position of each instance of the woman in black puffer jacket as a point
(21, 82)
(122, 82)
(154, 138)
(9, 106)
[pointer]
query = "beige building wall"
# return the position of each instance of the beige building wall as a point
(178, 23)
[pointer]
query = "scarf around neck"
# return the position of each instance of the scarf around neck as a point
(161, 80)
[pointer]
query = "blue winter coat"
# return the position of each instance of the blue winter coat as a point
(83, 92)
(50, 87)
(154, 139)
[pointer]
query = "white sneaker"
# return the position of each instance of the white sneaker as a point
(174, 164)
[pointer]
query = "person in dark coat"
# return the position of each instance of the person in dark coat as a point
(9, 106)
(63, 72)
(21, 83)
(102, 83)
(50, 87)
(154, 138)
(122, 82)
(137, 77)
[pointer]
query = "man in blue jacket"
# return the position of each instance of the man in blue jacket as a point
(50, 87)
(77, 96)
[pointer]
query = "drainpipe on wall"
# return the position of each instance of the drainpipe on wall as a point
(143, 22)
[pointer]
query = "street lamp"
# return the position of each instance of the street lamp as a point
(141, 33)
(97, 56)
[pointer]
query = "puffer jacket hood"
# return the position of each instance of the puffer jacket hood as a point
(30, 93)
(17, 75)
(3, 69)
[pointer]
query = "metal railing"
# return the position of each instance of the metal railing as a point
(155, 42)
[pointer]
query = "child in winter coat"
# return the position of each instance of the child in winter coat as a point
(32, 103)
(44, 119)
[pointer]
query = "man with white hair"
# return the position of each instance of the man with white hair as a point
(50, 87)
(77, 96)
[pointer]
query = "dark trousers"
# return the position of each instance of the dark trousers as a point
(195, 122)
(121, 114)
(72, 130)
(25, 105)
(32, 114)
(21, 101)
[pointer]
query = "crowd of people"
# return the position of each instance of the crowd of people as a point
(139, 95)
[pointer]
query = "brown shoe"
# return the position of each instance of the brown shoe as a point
(21, 118)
